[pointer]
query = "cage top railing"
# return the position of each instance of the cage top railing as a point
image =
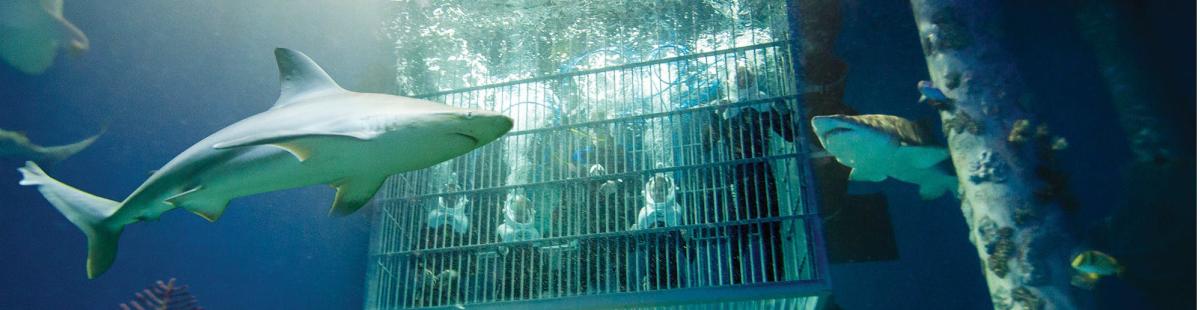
(781, 43)
(623, 119)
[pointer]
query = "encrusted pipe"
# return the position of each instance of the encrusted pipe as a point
(1018, 234)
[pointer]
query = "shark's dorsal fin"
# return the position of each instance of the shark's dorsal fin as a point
(299, 77)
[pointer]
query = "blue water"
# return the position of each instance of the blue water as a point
(164, 74)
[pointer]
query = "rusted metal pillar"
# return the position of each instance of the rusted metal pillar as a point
(1015, 223)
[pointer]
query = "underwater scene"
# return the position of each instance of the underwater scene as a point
(598, 154)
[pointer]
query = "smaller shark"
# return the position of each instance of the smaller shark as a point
(17, 145)
(32, 31)
(879, 146)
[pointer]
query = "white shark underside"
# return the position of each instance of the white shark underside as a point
(316, 133)
(876, 147)
(32, 31)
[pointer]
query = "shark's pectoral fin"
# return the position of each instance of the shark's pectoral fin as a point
(921, 156)
(299, 144)
(297, 150)
(863, 175)
(353, 193)
(932, 189)
(209, 209)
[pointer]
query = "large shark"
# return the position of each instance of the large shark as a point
(32, 31)
(879, 146)
(17, 145)
(316, 133)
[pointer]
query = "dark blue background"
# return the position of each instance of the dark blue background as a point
(164, 74)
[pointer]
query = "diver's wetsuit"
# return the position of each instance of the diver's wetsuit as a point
(746, 135)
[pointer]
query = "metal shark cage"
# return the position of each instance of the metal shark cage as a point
(656, 184)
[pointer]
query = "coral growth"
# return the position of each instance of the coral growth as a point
(1024, 215)
(1000, 250)
(988, 168)
(961, 122)
(1026, 299)
(1021, 131)
(999, 245)
(163, 296)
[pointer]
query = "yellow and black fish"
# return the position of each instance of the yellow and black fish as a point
(1090, 266)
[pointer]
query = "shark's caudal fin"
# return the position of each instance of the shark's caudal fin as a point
(86, 211)
(938, 187)
(55, 154)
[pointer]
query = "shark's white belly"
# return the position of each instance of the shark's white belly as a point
(260, 170)
(216, 179)
(218, 176)
(856, 153)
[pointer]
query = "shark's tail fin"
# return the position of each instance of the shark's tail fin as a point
(940, 186)
(86, 211)
(58, 153)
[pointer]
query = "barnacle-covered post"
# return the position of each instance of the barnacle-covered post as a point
(1016, 227)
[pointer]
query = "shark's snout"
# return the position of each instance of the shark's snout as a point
(485, 126)
(829, 125)
(824, 124)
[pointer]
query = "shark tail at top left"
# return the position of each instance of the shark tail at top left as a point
(88, 212)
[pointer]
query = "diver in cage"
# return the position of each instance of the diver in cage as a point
(743, 131)
(450, 210)
(598, 203)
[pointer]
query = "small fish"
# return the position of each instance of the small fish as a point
(929, 92)
(1090, 266)
(17, 145)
